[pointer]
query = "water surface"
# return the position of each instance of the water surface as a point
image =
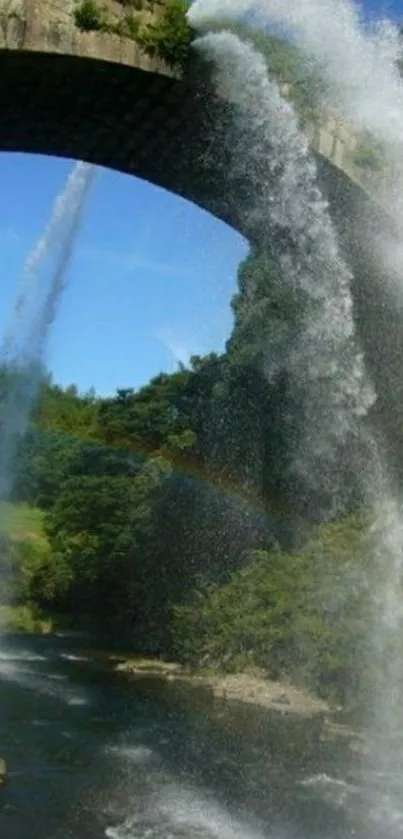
(92, 754)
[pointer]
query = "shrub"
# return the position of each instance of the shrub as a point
(24, 618)
(368, 153)
(304, 616)
(130, 26)
(170, 36)
(132, 4)
(89, 16)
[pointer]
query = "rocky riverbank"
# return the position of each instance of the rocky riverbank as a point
(252, 688)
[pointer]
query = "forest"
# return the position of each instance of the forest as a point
(170, 515)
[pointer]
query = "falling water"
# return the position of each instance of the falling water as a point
(268, 151)
(361, 74)
(22, 353)
(357, 61)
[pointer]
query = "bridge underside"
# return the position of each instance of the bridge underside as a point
(167, 131)
(146, 124)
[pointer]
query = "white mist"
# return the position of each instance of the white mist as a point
(268, 151)
(362, 81)
(22, 354)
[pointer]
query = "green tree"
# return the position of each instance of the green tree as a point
(304, 615)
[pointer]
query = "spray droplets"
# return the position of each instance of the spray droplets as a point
(41, 286)
(323, 364)
(37, 296)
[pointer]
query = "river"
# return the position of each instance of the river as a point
(93, 754)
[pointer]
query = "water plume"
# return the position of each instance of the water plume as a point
(362, 79)
(357, 60)
(267, 151)
(22, 354)
(334, 34)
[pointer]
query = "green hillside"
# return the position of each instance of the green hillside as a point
(24, 547)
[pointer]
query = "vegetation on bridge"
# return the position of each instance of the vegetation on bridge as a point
(169, 515)
(160, 29)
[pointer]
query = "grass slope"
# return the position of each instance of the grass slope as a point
(20, 521)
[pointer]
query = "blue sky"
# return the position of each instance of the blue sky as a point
(151, 278)
(390, 8)
(149, 284)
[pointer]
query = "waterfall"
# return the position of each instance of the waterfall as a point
(266, 148)
(22, 354)
(357, 61)
(325, 368)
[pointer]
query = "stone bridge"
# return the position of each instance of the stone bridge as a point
(99, 97)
